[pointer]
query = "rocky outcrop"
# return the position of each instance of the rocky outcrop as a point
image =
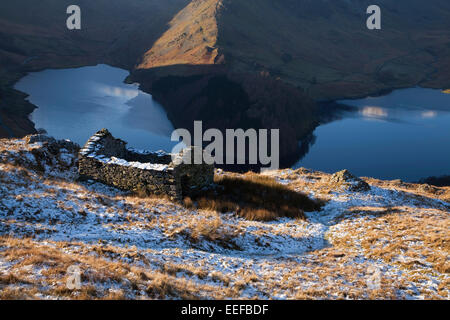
(108, 160)
(346, 180)
(47, 154)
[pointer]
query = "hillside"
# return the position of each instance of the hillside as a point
(33, 36)
(390, 241)
(261, 51)
(190, 39)
(322, 46)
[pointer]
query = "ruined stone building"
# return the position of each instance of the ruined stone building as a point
(108, 160)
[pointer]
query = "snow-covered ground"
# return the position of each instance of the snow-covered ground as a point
(360, 245)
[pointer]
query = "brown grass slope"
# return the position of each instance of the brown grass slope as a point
(191, 38)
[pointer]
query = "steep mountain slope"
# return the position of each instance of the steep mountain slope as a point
(191, 38)
(322, 46)
(224, 100)
(322, 49)
(114, 30)
(325, 47)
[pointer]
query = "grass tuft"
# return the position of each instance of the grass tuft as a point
(254, 197)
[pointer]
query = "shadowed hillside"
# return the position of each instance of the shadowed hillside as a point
(33, 36)
(322, 46)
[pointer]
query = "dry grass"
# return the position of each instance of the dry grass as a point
(301, 179)
(207, 226)
(421, 192)
(337, 276)
(254, 197)
(416, 240)
(100, 274)
(185, 42)
(106, 275)
(406, 237)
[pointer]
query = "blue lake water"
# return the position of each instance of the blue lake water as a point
(75, 103)
(403, 135)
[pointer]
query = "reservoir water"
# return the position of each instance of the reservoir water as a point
(75, 103)
(403, 135)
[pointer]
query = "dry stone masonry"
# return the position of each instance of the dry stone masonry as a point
(108, 160)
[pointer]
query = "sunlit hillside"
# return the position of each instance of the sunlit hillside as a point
(387, 241)
(191, 38)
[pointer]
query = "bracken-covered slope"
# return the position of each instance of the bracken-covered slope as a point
(191, 38)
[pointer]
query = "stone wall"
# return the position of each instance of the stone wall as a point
(108, 160)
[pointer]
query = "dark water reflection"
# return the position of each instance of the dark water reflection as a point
(405, 134)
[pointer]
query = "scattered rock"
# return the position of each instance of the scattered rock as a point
(303, 171)
(397, 182)
(39, 138)
(346, 180)
(65, 158)
(46, 152)
(426, 188)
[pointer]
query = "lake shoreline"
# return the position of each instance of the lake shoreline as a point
(100, 99)
(22, 71)
(329, 111)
